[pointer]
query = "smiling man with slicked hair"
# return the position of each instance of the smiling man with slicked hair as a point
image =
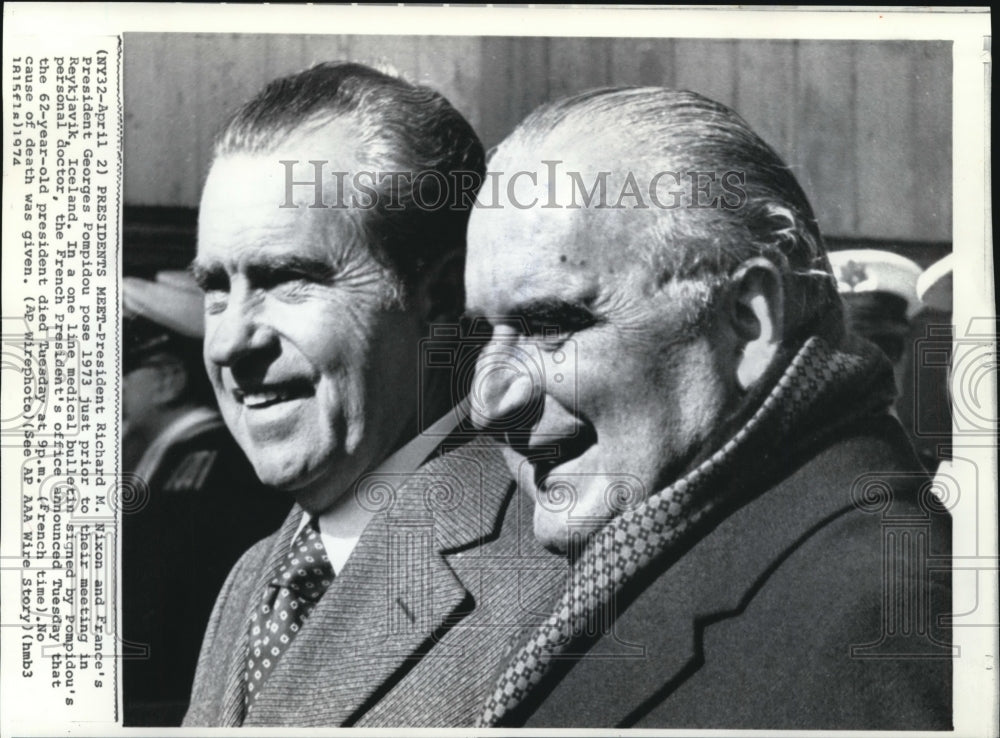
(388, 593)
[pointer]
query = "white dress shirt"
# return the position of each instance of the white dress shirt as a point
(341, 526)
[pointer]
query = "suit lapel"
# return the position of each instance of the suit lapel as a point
(232, 703)
(395, 593)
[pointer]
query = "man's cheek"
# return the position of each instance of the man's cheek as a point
(215, 379)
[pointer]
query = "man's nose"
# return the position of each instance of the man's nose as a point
(507, 389)
(234, 332)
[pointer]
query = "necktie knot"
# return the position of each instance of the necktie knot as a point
(307, 568)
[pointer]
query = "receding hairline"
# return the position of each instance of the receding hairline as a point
(649, 129)
(379, 123)
(319, 139)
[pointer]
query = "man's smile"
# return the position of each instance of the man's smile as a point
(550, 454)
(265, 395)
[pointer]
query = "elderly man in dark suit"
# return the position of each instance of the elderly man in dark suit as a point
(753, 543)
(331, 242)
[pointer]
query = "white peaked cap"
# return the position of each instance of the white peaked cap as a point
(871, 270)
(173, 301)
(934, 288)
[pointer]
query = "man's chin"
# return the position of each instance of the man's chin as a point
(294, 480)
(552, 546)
(551, 533)
(561, 535)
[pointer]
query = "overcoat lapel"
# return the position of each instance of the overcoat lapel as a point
(660, 631)
(395, 593)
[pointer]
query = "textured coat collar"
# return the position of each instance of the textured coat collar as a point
(395, 592)
(657, 633)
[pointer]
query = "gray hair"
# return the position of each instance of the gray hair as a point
(399, 127)
(656, 129)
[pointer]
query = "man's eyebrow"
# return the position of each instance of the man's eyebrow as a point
(271, 267)
(264, 268)
(558, 312)
(208, 275)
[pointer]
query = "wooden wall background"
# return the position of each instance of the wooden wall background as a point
(867, 126)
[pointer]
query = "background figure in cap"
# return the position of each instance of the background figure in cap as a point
(934, 286)
(162, 387)
(879, 290)
(934, 362)
(176, 451)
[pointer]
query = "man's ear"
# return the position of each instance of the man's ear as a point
(441, 295)
(757, 317)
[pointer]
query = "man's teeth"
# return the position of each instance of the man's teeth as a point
(262, 398)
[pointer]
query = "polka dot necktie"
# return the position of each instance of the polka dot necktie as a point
(299, 582)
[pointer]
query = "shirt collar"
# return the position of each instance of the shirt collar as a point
(341, 526)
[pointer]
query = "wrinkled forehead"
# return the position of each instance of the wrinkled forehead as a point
(609, 189)
(247, 207)
(588, 204)
(521, 254)
(286, 166)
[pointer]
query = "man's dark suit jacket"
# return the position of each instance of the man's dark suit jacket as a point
(412, 630)
(814, 605)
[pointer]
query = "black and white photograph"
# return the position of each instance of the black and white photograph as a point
(602, 375)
